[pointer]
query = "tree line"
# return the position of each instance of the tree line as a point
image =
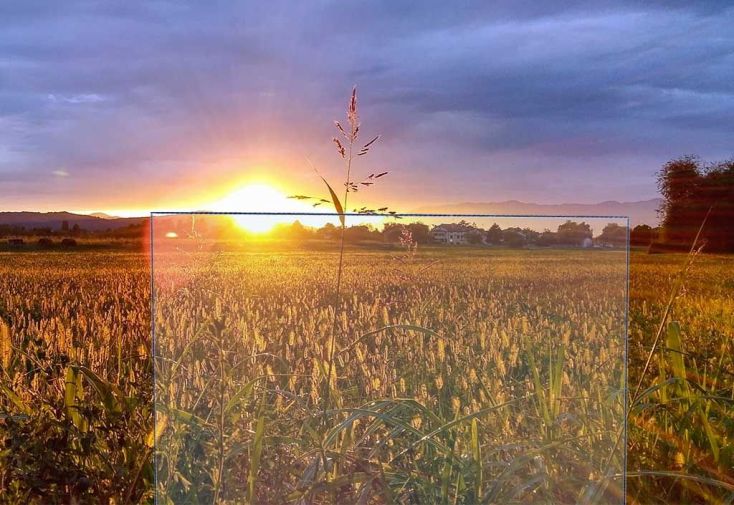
(131, 231)
(570, 233)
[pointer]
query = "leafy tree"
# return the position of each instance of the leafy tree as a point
(547, 238)
(573, 233)
(391, 232)
(643, 235)
(717, 192)
(531, 236)
(421, 232)
(694, 191)
(328, 232)
(360, 233)
(513, 237)
(298, 231)
(494, 234)
(614, 233)
(474, 237)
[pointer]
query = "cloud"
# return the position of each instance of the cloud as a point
(508, 98)
(76, 99)
(60, 173)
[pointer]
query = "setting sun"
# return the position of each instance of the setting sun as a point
(266, 197)
(259, 197)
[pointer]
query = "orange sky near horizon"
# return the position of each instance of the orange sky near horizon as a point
(221, 180)
(258, 191)
(212, 191)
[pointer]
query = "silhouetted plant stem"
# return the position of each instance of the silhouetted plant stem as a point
(332, 338)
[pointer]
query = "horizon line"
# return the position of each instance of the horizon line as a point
(154, 214)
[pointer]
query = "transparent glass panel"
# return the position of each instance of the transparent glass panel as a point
(451, 361)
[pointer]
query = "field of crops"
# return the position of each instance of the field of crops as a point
(685, 426)
(491, 383)
(458, 378)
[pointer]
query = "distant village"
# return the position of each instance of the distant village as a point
(569, 234)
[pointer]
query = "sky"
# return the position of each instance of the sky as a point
(169, 105)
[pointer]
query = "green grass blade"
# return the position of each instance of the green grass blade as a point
(257, 445)
(477, 455)
(337, 203)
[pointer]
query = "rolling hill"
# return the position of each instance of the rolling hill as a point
(55, 220)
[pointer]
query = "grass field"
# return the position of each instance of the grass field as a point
(76, 399)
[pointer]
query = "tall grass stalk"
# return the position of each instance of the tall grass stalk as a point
(353, 119)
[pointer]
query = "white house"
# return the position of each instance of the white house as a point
(451, 233)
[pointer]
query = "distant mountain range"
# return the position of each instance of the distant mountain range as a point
(641, 212)
(102, 215)
(55, 220)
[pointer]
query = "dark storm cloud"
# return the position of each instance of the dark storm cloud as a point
(508, 98)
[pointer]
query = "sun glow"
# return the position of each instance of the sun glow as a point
(263, 197)
(259, 197)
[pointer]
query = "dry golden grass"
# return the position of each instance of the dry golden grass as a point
(91, 310)
(499, 354)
